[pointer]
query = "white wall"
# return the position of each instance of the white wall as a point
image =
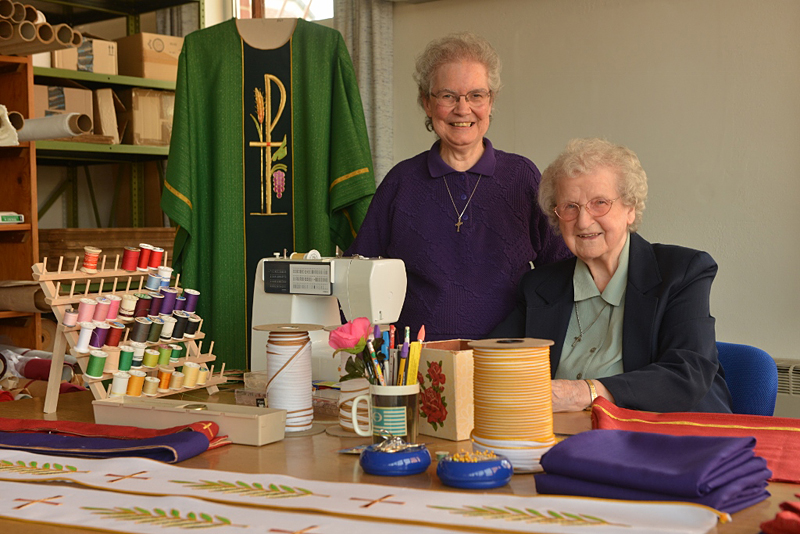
(706, 92)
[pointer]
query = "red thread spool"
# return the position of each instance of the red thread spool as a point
(144, 256)
(155, 257)
(90, 257)
(130, 258)
(115, 334)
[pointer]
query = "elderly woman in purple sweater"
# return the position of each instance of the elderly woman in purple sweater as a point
(463, 215)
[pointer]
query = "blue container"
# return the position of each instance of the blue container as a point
(408, 462)
(483, 474)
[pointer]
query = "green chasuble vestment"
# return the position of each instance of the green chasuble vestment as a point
(269, 152)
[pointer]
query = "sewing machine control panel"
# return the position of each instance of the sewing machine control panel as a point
(297, 277)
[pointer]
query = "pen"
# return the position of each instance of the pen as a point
(377, 332)
(368, 368)
(402, 368)
(375, 364)
(408, 334)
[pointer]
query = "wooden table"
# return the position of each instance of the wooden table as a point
(316, 457)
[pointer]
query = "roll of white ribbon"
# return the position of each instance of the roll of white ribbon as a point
(289, 378)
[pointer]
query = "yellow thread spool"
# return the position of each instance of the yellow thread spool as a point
(135, 383)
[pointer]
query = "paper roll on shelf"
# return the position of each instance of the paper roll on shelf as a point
(6, 30)
(18, 12)
(55, 126)
(6, 9)
(16, 120)
(24, 32)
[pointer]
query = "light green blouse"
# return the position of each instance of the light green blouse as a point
(597, 352)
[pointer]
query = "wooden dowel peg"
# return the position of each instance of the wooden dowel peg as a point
(222, 371)
(103, 264)
(211, 349)
(102, 281)
(60, 262)
(44, 265)
(72, 289)
(116, 262)
(128, 285)
(114, 287)
(58, 288)
(177, 279)
(75, 267)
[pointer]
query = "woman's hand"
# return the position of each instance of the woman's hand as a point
(575, 395)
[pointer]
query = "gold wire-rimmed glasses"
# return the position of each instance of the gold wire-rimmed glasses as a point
(597, 207)
(474, 99)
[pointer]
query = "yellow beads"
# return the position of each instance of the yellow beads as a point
(473, 457)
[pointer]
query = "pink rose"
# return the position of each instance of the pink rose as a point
(351, 337)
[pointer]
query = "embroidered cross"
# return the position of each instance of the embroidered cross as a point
(206, 426)
(29, 502)
(124, 477)
(307, 529)
(371, 502)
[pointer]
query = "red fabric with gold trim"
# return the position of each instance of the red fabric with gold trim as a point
(777, 438)
(92, 430)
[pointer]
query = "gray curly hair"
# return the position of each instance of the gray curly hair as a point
(585, 156)
(455, 47)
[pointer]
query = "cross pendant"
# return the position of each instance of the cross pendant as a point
(458, 225)
(577, 340)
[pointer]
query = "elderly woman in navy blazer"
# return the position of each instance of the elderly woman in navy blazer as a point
(630, 319)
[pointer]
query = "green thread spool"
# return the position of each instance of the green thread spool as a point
(155, 329)
(97, 360)
(164, 354)
(177, 353)
(150, 358)
(125, 357)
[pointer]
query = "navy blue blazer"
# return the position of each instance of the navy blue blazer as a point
(669, 351)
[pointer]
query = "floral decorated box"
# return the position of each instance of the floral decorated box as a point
(445, 389)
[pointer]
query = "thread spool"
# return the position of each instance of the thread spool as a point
(177, 353)
(114, 334)
(192, 296)
(125, 357)
(140, 329)
(86, 309)
(130, 258)
(164, 354)
(138, 354)
(150, 359)
(202, 376)
(112, 362)
(153, 281)
(144, 256)
(119, 385)
(70, 317)
(156, 256)
(156, 325)
(288, 371)
(113, 309)
(150, 388)
(168, 304)
(165, 273)
(181, 320)
(83, 336)
(127, 307)
(190, 372)
(176, 382)
(135, 383)
(192, 326)
(90, 257)
(97, 361)
(180, 303)
(142, 305)
(156, 302)
(99, 335)
(101, 309)
(512, 399)
(164, 282)
(164, 376)
(169, 326)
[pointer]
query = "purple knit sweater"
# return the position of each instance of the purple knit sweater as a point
(460, 284)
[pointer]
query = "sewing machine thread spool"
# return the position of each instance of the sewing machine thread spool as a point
(101, 309)
(177, 353)
(164, 354)
(182, 319)
(164, 377)
(114, 334)
(99, 334)
(144, 256)
(140, 329)
(155, 258)
(142, 305)
(165, 273)
(150, 387)
(176, 382)
(130, 257)
(119, 385)
(156, 325)
(192, 326)
(127, 307)
(150, 358)
(86, 309)
(202, 376)
(112, 362)
(83, 337)
(169, 326)
(90, 257)
(70, 317)
(168, 304)
(113, 309)
(153, 281)
(180, 303)
(97, 360)
(156, 302)
(125, 357)
(190, 372)
(138, 353)
(135, 383)
(192, 296)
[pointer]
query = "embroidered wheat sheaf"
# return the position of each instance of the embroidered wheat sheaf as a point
(33, 468)
(161, 518)
(271, 491)
(529, 515)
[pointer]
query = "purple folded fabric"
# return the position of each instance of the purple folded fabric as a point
(680, 466)
(730, 498)
(170, 448)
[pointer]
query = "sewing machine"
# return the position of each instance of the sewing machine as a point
(310, 290)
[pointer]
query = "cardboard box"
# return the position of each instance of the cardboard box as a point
(445, 399)
(93, 55)
(54, 99)
(149, 116)
(149, 55)
(106, 107)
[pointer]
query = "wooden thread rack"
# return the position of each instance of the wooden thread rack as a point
(122, 283)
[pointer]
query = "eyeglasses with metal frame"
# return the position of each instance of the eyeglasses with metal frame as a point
(474, 99)
(597, 207)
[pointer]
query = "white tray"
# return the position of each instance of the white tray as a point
(244, 425)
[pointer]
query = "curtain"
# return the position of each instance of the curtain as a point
(367, 29)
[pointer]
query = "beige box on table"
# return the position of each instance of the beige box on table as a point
(53, 100)
(148, 113)
(150, 55)
(445, 398)
(93, 55)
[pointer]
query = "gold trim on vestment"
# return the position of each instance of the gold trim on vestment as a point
(692, 423)
(178, 194)
(347, 177)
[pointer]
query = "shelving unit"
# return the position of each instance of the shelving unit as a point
(60, 293)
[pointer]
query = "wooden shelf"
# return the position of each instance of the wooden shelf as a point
(44, 74)
(14, 314)
(72, 153)
(15, 227)
(76, 12)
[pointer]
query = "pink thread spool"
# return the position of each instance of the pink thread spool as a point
(101, 309)
(113, 310)
(90, 257)
(70, 318)
(86, 309)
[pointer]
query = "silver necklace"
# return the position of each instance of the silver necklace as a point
(580, 329)
(459, 223)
